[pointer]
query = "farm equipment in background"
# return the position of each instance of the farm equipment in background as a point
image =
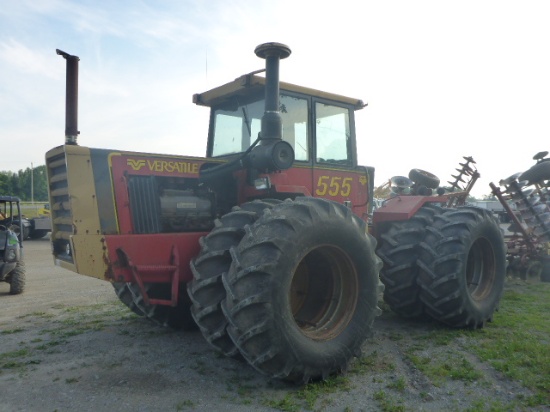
(423, 183)
(32, 227)
(420, 273)
(263, 244)
(526, 199)
(39, 227)
(12, 268)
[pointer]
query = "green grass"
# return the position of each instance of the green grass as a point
(517, 343)
(373, 362)
(388, 403)
(11, 331)
(313, 396)
(443, 366)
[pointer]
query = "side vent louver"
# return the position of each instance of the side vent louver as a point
(144, 204)
(61, 214)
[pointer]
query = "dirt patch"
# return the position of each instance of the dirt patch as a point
(68, 344)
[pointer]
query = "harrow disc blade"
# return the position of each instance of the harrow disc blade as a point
(539, 224)
(507, 181)
(528, 203)
(465, 168)
(523, 194)
(544, 219)
(514, 228)
(542, 231)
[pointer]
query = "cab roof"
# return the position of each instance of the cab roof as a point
(4, 199)
(250, 83)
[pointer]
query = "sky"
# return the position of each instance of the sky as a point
(442, 79)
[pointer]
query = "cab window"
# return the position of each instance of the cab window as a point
(237, 127)
(332, 130)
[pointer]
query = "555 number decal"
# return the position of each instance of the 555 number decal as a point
(334, 186)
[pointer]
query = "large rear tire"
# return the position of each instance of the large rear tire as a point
(462, 267)
(398, 248)
(178, 317)
(206, 289)
(302, 290)
(17, 279)
(125, 293)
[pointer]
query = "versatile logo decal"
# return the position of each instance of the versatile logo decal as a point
(163, 166)
(135, 164)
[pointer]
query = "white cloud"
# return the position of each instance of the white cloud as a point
(443, 79)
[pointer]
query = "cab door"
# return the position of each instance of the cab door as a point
(336, 175)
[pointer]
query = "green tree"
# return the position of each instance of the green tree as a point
(26, 184)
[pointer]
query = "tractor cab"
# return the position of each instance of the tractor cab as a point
(237, 109)
(317, 127)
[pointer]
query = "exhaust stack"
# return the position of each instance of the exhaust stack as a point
(71, 98)
(273, 153)
(271, 120)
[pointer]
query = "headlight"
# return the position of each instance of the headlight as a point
(262, 183)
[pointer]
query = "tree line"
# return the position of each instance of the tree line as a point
(29, 184)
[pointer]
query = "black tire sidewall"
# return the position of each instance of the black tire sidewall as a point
(307, 350)
(491, 232)
(18, 279)
(421, 177)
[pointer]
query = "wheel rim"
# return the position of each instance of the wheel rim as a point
(324, 292)
(480, 269)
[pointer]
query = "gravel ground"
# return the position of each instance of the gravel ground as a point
(67, 344)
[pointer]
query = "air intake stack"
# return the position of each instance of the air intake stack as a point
(272, 153)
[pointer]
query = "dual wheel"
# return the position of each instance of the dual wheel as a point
(290, 286)
(449, 264)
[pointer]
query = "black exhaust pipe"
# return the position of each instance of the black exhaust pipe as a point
(71, 98)
(271, 120)
(272, 153)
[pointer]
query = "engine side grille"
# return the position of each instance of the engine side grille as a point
(144, 204)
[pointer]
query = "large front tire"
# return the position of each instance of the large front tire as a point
(462, 267)
(206, 289)
(302, 290)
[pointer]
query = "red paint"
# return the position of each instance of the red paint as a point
(403, 207)
(150, 250)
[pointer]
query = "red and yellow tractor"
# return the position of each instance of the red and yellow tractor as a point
(264, 244)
